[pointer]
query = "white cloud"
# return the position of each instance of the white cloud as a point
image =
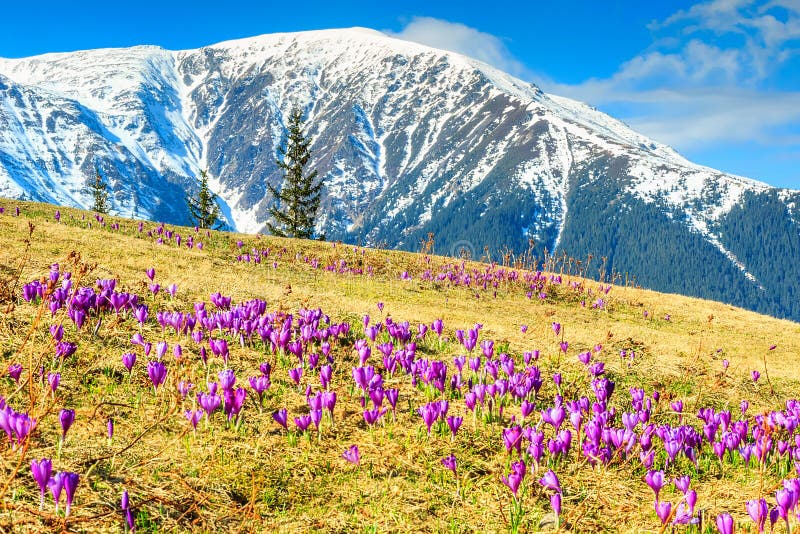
(707, 78)
(764, 28)
(463, 39)
(703, 82)
(693, 120)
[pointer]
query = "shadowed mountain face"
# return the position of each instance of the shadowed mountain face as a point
(409, 140)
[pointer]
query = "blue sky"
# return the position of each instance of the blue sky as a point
(719, 80)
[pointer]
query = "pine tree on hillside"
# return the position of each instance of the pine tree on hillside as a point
(204, 209)
(296, 203)
(99, 192)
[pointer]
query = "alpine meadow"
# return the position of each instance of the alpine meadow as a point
(337, 281)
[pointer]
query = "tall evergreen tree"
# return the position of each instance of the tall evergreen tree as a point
(99, 193)
(204, 209)
(296, 203)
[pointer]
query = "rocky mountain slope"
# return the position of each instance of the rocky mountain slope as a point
(410, 140)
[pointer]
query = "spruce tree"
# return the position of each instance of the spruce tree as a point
(204, 209)
(296, 203)
(99, 193)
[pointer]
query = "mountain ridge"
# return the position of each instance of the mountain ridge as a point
(410, 140)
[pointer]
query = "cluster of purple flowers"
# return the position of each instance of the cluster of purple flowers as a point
(575, 415)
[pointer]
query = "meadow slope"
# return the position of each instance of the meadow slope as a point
(240, 470)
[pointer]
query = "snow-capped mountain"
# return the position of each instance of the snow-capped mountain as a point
(409, 140)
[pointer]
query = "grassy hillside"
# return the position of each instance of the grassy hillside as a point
(246, 472)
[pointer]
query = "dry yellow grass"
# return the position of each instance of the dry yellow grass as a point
(257, 479)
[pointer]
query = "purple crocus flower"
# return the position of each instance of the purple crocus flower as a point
(758, 511)
(227, 379)
(53, 379)
(66, 418)
(193, 416)
(450, 463)
(260, 384)
(376, 395)
(352, 455)
(296, 374)
(42, 471)
(234, 401)
(454, 422)
(151, 273)
(682, 483)
(554, 416)
(219, 347)
(550, 481)
(56, 485)
(371, 416)
(663, 511)
(364, 352)
(555, 503)
(325, 373)
(110, 428)
(512, 438)
(184, 387)
(514, 478)
(128, 360)
(57, 332)
(725, 524)
(281, 416)
(71, 481)
(325, 348)
(316, 417)
(438, 326)
(197, 336)
(209, 402)
(265, 368)
(14, 371)
(487, 346)
(429, 413)
(140, 313)
(302, 422)
(391, 396)
(329, 400)
(786, 500)
(774, 515)
(125, 505)
(755, 375)
(656, 481)
(157, 372)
